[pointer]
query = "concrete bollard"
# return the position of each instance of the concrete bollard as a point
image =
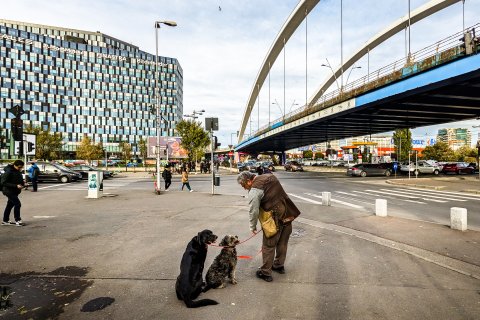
(326, 198)
(381, 207)
(458, 218)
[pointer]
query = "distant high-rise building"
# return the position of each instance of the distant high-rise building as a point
(86, 83)
(455, 137)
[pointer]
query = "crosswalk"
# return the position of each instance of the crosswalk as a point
(362, 199)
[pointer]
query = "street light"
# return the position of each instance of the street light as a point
(328, 65)
(157, 76)
(358, 67)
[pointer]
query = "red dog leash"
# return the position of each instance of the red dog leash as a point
(240, 257)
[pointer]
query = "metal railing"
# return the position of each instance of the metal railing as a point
(436, 54)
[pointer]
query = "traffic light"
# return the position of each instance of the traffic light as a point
(216, 143)
(17, 129)
(30, 146)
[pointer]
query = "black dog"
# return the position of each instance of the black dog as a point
(224, 265)
(190, 281)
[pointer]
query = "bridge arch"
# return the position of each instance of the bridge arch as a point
(297, 17)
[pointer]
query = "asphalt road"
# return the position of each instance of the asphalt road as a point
(346, 192)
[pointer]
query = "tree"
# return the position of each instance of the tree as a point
(126, 152)
(319, 155)
(440, 151)
(402, 139)
(308, 154)
(466, 154)
(87, 150)
(194, 137)
(48, 144)
(142, 145)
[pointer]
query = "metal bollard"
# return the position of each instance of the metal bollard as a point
(326, 198)
(381, 207)
(458, 218)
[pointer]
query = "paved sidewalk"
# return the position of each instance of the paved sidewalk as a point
(341, 264)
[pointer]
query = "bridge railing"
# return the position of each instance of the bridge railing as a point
(431, 56)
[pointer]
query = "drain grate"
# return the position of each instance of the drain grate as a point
(97, 304)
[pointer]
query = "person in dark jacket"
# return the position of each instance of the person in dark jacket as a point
(33, 173)
(167, 176)
(265, 191)
(12, 183)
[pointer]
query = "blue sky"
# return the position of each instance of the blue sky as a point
(221, 51)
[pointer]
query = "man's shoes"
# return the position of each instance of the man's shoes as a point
(280, 270)
(19, 223)
(8, 223)
(264, 276)
(166, 189)
(191, 190)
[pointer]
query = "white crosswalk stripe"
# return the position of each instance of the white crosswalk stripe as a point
(337, 201)
(453, 198)
(411, 197)
(447, 193)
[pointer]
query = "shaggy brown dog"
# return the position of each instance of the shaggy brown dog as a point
(190, 281)
(224, 264)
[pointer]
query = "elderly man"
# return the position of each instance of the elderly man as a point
(266, 191)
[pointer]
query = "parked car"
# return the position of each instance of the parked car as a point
(241, 167)
(250, 165)
(421, 166)
(369, 169)
(458, 168)
(321, 163)
(293, 166)
(55, 172)
(84, 169)
(268, 165)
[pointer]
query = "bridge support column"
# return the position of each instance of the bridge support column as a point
(283, 158)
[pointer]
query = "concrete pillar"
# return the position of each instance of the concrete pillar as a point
(458, 218)
(283, 158)
(326, 198)
(381, 207)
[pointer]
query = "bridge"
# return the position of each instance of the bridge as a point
(437, 84)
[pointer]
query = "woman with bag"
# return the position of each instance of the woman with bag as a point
(269, 202)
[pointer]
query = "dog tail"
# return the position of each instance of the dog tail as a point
(199, 303)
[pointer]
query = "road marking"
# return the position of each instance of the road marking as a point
(306, 199)
(55, 185)
(43, 217)
(426, 194)
(454, 194)
(375, 195)
(405, 196)
(353, 195)
(419, 202)
(338, 201)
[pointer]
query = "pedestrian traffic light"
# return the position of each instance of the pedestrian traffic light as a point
(216, 143)
(30, 146)
(17, 129)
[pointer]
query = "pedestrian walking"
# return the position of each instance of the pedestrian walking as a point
(167, 176)
(12, 185)
(265, 192)
(185, 180)
(33, 173)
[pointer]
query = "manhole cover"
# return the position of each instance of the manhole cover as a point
(297, 233)
(97, 304)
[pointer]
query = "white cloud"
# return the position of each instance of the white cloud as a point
(221, 51)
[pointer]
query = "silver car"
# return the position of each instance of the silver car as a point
(421, 167)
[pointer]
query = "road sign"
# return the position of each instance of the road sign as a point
(17, 110)
(211, 124)
(230, 153)
(395, 166)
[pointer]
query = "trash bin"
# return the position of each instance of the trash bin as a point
(216, 181)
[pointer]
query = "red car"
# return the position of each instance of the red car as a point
(458, 168)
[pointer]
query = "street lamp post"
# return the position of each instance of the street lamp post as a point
(158, 113)
(334, 75)
(358, 67)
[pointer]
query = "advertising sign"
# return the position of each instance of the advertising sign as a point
(172, 144)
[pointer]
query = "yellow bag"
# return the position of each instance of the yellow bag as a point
(267, 222)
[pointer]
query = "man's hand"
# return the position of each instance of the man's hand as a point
(254, 232)
(19, 186)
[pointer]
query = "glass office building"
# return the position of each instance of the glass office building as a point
(85, 83)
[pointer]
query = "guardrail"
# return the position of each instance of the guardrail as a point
(434, 55)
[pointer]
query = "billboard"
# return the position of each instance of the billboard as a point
(172, 144)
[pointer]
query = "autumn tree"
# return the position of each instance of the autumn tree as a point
(126, 152)
(440, 151)
(48, 144)
(88, 150)
(402, 139)
(194, 137)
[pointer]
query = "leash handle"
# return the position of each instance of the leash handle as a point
(253, 235)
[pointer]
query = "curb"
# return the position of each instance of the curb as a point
(415, 185)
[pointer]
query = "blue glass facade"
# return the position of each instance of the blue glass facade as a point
(85, 83)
